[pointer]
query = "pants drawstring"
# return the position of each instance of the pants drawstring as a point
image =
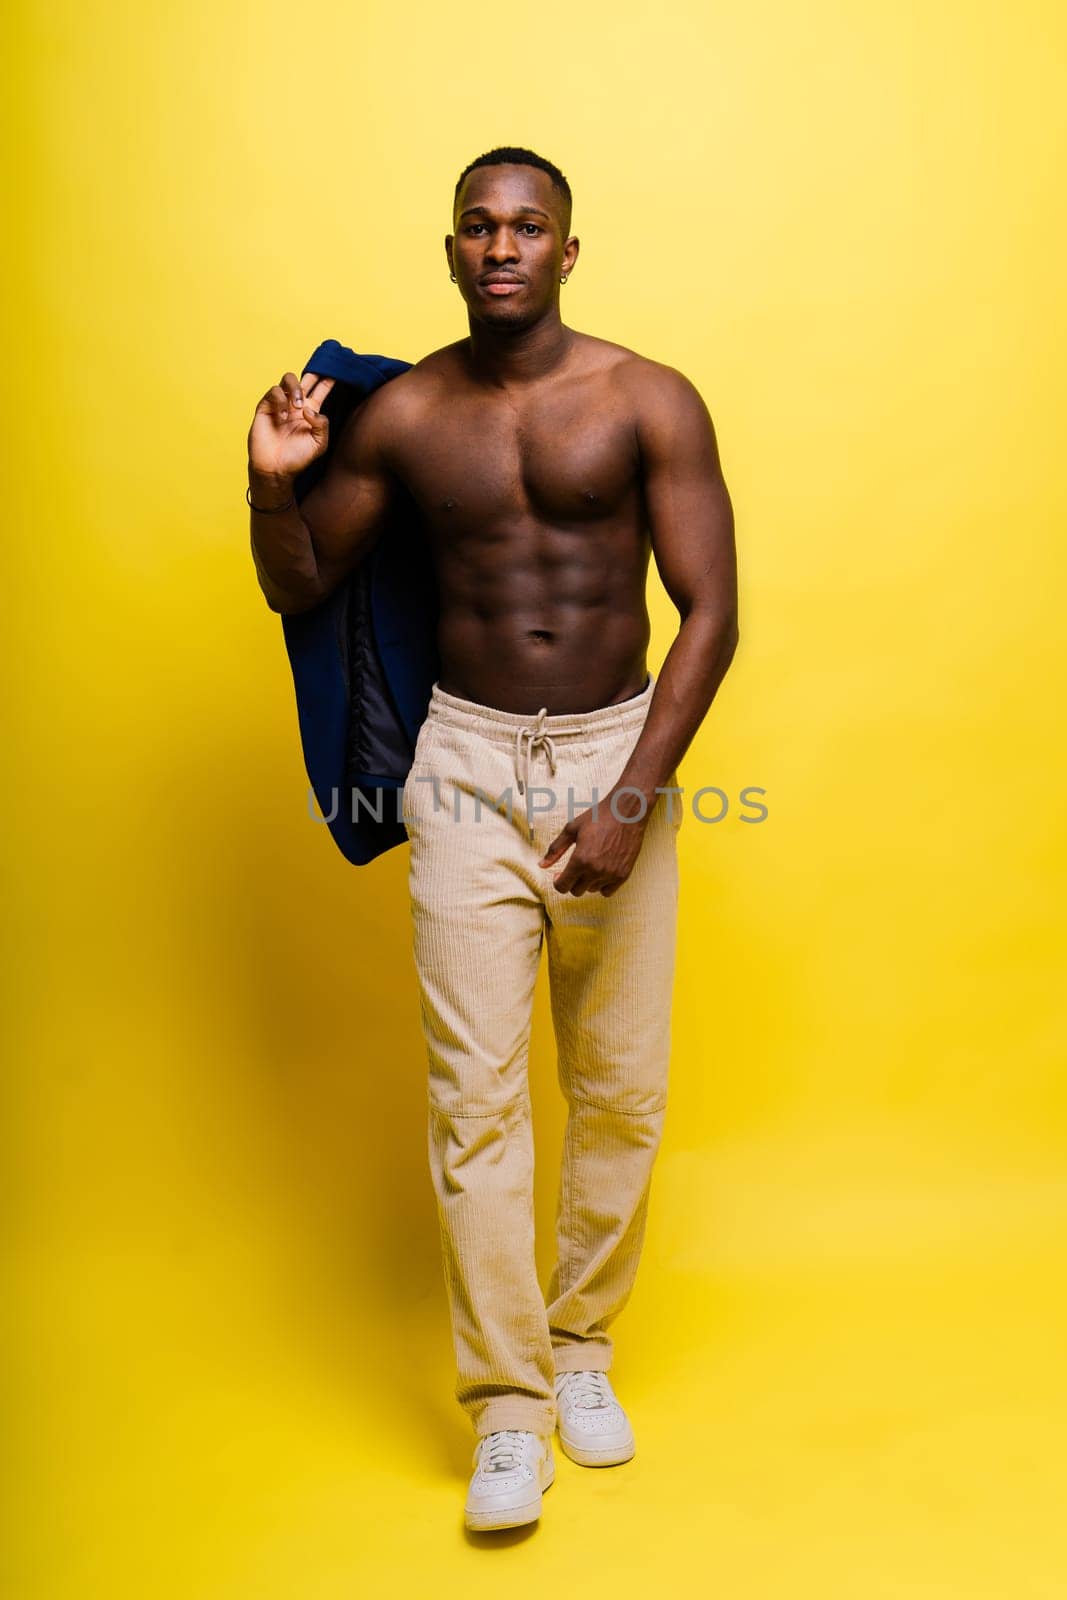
(535, 734)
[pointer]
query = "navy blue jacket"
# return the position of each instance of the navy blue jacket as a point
(364, 660)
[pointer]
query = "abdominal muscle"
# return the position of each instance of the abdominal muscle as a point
(570, 660)
(534, 614)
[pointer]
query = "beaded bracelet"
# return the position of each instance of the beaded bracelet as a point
(269, 511)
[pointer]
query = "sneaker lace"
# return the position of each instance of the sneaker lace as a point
(503, 1451)
(588, 1390)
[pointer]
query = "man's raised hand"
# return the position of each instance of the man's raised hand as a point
(289, 429)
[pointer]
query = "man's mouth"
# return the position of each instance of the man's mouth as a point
(501, 285)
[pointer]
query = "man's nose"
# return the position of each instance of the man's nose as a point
(502, 246)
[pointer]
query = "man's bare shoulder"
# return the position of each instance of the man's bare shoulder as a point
(435, 372)
(442, 363)
(383, 419)
(396, 404)
(652, 385)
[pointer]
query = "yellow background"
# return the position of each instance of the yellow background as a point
(229, 1353)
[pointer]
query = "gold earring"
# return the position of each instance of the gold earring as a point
(564, 278)
(452, 275)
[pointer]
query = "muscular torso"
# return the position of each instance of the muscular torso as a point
(531, 500)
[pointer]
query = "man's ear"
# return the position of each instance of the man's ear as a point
(449, 240)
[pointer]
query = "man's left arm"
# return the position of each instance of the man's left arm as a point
(691, 524)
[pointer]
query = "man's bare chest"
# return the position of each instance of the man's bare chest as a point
(557, 461)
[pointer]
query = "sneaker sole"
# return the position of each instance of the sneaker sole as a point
(586, 1457)
(511, 1517)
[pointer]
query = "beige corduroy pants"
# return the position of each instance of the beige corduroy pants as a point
(487, 792)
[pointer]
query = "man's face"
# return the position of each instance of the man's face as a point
(509, 250)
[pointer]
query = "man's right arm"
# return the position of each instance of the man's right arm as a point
(303, 553)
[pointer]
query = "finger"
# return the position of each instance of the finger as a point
(559, 846)
(279, 402)
(580, 885)
(309, 389)
(315, 388)
(571, 874)
(291, 385)
(552, 855)
(314, 402)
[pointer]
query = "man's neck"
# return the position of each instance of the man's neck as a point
(502, 356)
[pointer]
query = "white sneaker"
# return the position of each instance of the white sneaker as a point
(594, 1430)
(511, 1468)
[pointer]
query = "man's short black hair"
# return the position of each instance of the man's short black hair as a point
(515, 155)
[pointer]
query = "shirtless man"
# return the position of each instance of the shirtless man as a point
(546, 466)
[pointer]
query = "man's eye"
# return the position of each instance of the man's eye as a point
(475, 227)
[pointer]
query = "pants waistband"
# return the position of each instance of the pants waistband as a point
(504, 727)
